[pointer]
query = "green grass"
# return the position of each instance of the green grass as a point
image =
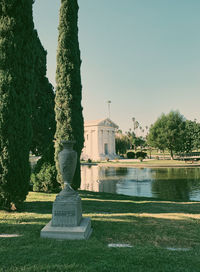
(149, 225)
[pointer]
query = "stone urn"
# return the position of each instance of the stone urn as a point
(67, 221)
(67, 159)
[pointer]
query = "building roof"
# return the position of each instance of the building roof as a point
(106, 122)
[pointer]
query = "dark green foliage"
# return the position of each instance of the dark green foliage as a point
(43, 125)
(43, 115)
(130, 155)
(134, 141)
(45, 179)
(44, 176)
(139, 142)
(131, 139)
(168, 132)
(192, 136)
(16, 92)
(121, 143)
(141, 154)
(68, 93)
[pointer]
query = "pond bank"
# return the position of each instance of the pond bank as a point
(145, 164)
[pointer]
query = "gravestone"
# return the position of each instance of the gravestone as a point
(67, 221)
(67, 212)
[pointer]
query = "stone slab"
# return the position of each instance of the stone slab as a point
(178, 248)
(119, 245)
(81, 232)
(67, 212)
(4, 235)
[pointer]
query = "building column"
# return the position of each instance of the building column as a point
(113, 142)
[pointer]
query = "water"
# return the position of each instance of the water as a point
(165, 183)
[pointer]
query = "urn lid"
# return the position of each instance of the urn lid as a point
(67, 143)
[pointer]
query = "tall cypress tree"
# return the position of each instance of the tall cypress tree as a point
(69, 90)
(43, 177)
(16, 89)
(43, 115)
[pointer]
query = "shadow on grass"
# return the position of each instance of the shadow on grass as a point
(42, 207)
(96, 203)
(102, 202)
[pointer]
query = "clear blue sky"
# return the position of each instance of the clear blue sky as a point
(143, 55)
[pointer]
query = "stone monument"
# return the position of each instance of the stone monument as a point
(67, 221)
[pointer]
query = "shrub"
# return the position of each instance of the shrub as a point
(141, 154)
(45, 180)
(140, 159)
(130, 155)
(89, 160)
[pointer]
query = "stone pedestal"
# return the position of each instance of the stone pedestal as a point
(67, 212)
(67, 221)
(81, 232)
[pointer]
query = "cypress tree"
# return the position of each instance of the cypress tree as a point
(43, 115)
(43, 177)
(69, 90)
(16, 89)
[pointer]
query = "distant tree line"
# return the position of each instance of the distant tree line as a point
(172, 132)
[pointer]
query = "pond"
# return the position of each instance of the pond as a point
(164, 183)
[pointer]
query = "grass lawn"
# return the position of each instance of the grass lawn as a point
(150, 226)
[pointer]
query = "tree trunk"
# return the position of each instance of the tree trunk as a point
(172, 155)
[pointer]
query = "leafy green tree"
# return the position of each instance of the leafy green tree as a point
(122, 143)
(139, 142)
(131, 138)
(134, 141)
(16, 92)
(68, 107)
(168, 132)
(192, 136)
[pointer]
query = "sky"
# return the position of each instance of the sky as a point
(142, 55)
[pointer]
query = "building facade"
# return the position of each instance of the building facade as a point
(99, 140)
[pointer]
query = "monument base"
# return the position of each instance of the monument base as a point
(81, 232)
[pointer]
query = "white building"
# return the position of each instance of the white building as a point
(99, 140)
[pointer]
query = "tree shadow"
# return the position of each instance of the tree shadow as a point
(93, 202)
(41, 207)
(101, 202)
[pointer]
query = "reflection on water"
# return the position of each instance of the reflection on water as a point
(166, 183)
